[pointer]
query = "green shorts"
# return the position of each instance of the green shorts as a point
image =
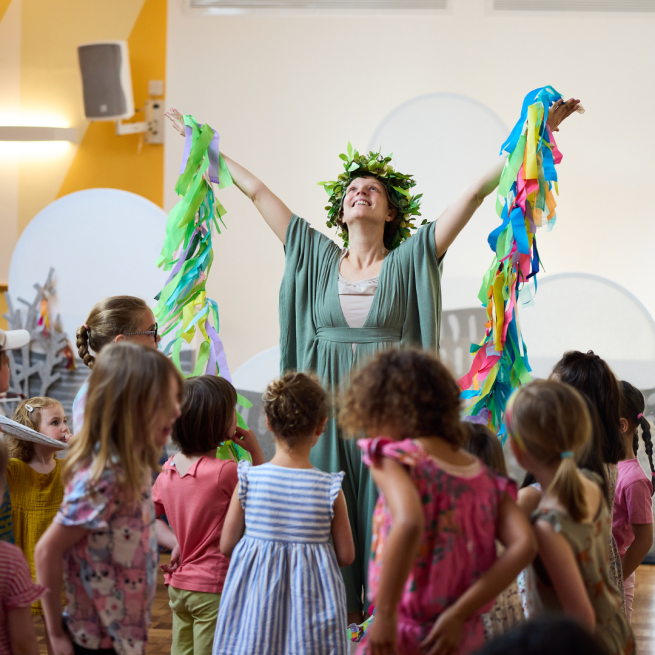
(194, 621)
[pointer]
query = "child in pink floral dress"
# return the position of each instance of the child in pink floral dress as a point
(434, 568)
(103, 539)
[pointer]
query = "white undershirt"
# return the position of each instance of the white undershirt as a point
(356, 298)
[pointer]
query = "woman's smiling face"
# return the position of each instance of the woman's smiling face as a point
(367, 200)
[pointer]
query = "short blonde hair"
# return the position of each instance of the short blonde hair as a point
(18, 448)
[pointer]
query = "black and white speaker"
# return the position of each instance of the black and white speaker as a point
(106, 80)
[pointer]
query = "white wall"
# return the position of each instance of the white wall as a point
(287, 92)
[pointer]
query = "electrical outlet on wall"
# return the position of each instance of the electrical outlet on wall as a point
(155, 121)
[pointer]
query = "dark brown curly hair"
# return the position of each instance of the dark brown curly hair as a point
(294, 405)
(408, 391)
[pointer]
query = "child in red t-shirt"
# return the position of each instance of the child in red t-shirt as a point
(632, 523)
(194, 491)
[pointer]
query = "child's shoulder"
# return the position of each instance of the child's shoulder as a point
(630, 472)
(12, 560)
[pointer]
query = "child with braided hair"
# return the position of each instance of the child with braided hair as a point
(632, 524)
(113, 319)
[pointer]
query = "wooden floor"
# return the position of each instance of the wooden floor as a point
(643, 616)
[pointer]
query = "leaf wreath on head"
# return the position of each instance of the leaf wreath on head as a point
(397, 185)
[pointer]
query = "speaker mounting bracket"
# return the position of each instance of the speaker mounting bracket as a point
(152, 127)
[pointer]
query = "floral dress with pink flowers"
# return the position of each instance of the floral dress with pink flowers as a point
(460, 506)
(111, 573)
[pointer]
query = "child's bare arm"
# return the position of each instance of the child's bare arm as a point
(22, 637)
(48, 559)
(558, 559)
(165, 536)
(400, 549)
(638, 549)
(515, 533)
(234, 526)
(248, 441)
(529, 499)
(342, 536)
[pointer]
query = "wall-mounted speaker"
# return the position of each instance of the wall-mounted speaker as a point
(106, 80)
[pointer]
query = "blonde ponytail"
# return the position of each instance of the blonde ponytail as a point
(568, 489)
(551, 421)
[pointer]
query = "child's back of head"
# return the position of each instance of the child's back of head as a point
(408, 391)
(295, 405)
(483, 443)
(207, 414)
(591, 376)
(550, 421)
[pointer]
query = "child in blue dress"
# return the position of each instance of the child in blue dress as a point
(284, 592)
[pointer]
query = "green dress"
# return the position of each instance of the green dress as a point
(314, 336)
(590, 545)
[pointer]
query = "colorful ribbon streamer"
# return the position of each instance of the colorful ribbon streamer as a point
(524, 203)
(182, 305)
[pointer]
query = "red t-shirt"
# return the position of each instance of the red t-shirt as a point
(632, 502)
(195, 505)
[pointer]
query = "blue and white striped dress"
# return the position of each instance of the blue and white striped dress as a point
(284, 594)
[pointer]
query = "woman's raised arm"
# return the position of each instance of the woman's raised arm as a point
(272, 209)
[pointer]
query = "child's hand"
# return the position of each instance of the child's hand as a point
(446, 634)
(247, 440)
(381, 635)
(174, 562)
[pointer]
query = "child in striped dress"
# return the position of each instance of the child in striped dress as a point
(283, 592)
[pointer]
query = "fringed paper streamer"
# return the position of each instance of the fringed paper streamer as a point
(188, 253)
(524, 203)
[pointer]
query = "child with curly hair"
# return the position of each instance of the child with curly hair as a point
(34, 478)
(283, 592)
(434, 568)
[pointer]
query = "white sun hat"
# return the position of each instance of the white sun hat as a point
(13, 339)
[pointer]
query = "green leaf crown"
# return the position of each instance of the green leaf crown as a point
(398, 186)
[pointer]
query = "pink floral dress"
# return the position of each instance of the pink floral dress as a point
(460, 506)
(111, 573)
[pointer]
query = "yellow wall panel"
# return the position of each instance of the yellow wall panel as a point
(50, 84)
(126, 162)
(4, 5)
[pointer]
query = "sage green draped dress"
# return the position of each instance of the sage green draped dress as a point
(314, 336)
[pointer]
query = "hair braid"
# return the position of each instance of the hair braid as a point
(648, 443)
(82, 343)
